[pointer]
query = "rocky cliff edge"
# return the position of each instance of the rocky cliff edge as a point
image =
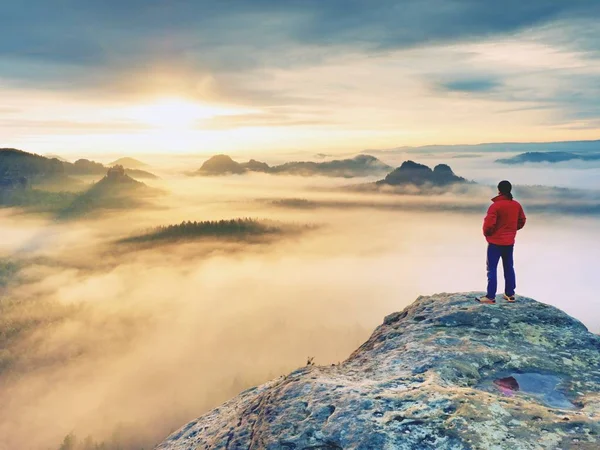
(445, 373)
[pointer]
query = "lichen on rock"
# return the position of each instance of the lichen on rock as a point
(446, 373)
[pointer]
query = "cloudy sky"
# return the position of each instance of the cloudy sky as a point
(140, 76)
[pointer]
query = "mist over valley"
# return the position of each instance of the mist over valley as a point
(136, 305)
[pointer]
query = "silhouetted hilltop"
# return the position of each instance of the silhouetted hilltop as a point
(549, 157)
(412, 173)
(116, 190)
(17, 163)
(21, 172)
(220, 165)
(129, 163)
(446, 373)
(117, 175)
(444, 175)
(116, 181)
(361, 165)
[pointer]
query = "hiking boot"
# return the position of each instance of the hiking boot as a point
(485, 299)
(510, 298)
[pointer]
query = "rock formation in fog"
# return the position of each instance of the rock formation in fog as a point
(117, 182)
(116, 190)
(445, 373)
(117, 174)
(412, 173)
(361, 165)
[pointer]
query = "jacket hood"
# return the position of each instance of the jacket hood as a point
(500, 197)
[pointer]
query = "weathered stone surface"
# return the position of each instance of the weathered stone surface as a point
(445, 373)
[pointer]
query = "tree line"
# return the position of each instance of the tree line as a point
(210, 228)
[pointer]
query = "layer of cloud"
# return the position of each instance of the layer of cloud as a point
(107, 43)
(97, 34)
(469, 85)
(153, 338)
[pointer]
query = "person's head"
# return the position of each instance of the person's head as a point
(505, 188)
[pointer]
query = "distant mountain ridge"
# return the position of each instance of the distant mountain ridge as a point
(549, 157)
(409, 173)
(87, 167)
(18, 163)
(116, 190)
(566, 146)
(361, 165)
(34, 167)
(128, 163)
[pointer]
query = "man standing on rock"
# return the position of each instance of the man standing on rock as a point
(504, 217)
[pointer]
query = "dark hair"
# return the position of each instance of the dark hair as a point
(504, 187)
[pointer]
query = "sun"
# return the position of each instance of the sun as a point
(176, 114)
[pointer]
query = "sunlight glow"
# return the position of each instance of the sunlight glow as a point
(177, 114)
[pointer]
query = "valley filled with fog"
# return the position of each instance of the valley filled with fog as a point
(123, 339)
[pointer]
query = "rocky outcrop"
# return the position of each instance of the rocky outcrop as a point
(446, 373)
(117, 190)
(116, 179)
(115, 173)
(412, 173)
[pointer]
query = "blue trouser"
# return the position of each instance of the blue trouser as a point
(494, 253)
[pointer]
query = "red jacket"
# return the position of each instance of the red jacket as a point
(504, 218)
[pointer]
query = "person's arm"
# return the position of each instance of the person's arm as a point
(522, 219)
(489, 223)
